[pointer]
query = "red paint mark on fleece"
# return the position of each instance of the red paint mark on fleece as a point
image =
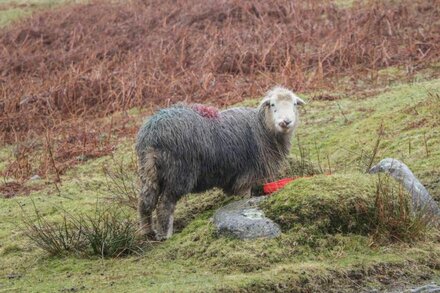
(206, 111)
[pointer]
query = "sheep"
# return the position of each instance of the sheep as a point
(192, 148)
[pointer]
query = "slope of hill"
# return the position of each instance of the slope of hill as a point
(320, 255)
(75, 82)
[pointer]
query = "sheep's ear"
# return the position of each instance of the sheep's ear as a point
(265, 103)
(299, 101)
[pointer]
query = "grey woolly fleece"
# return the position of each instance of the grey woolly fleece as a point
(233, 151)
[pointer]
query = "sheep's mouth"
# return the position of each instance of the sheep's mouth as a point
(284, 129)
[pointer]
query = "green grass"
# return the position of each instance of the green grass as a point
(346, 130)
(328, 221)
(8, 16)
(13, 10)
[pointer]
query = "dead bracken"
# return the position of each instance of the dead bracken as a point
(11, 189)
(64, 68)
(93, 59)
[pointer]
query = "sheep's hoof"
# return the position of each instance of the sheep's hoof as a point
(146, 235)
(161, 237)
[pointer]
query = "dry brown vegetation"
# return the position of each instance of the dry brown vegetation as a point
(61, 68)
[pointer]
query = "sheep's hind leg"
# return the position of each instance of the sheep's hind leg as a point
(178, 182)
(147, 203)
(149, 193)
(165, 217)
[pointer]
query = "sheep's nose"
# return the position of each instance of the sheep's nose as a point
(285, 123)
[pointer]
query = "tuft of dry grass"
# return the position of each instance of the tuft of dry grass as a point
(395, 220)
(107, 232)
(122, 181)
(11, 189)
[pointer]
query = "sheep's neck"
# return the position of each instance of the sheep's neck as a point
(276, 147)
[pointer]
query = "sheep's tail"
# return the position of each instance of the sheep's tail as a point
(150, 189)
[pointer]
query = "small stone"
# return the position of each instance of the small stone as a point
(431, 288)
(14, 276)
(35, 177)
(82, 158)
(244, 220)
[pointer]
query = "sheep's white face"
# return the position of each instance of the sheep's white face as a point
(281, 112)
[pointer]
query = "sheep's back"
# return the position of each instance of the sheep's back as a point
(175, 130)
(226, 142)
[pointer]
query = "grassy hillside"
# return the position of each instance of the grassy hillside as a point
(77, 80)
(405, 120)
(335, 251)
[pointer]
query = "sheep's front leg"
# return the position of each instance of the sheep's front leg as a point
(246, 193)
(240, 187)
(241, 190)
(165, 218)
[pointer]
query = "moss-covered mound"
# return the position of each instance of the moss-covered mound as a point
(346, 204)
(327, 204)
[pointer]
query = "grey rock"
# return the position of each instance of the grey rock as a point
(13, 276)
(244, 220)
(421, 199)
(35, 177)
(426, 288)
(82, 158)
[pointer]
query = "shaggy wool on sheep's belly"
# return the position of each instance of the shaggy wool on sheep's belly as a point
(244, 220)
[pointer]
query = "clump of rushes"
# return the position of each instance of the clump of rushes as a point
(107, 232)
(56, 238)
(122, 181)
(395, 220)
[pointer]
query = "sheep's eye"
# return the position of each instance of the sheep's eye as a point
(272, 105)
